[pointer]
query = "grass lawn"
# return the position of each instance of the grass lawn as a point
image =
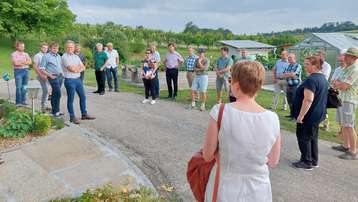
(264, 97)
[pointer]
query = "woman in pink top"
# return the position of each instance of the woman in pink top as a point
(20, 61)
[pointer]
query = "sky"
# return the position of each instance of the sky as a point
(239, 16)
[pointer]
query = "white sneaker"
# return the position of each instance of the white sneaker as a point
(152, 102)
(193, 104)
(202, 107)
(145, 101)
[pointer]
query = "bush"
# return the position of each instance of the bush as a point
(57, 123)
(42, 124)
(7, 108)
(108, 193)
(17, 124)
(137, 46)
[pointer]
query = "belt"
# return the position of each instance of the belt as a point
(72, 78)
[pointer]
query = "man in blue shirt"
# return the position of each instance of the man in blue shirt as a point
(51, 66)
(279, 81)
(293, 79)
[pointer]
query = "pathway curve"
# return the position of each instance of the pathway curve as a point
(160, 139)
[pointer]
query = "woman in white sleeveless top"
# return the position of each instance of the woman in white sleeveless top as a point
(249, 141)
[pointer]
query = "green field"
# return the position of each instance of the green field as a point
(264, 97)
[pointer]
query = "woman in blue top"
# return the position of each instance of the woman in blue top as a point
(309, 110)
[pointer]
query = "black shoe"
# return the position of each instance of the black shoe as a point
(174, 98)
(96, 91)
(302, 165)
(116, 90)
(340, 148)
(101, 93)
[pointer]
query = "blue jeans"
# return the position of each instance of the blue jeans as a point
(56, 93)
(21, 80)
(109, 73)
(75, 86)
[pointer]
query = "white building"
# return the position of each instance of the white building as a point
(252, 47)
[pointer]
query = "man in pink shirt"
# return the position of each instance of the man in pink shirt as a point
(20, 61)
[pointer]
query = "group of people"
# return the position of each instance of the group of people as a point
(249, 141)
(287, 78)
(52, 69)
(196, 65)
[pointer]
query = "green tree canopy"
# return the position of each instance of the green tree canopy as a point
(41, 16)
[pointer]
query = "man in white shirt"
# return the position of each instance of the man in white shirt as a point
(112, 67)
(326, 70)
(72, 67)
(326, 67)
(40, 76)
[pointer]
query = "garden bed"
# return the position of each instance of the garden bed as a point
(17, 126)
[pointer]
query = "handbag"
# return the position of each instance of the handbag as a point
(333, 101)
(198, 171)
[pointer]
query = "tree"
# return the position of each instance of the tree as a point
(40, 16)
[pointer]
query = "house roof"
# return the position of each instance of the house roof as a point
(243, 44)
(341, 41)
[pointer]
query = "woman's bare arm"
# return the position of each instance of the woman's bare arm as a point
(211, 141)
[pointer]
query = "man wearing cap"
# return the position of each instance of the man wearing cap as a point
(200, 82)
(347, 84)
(112, 67)
(223, 65)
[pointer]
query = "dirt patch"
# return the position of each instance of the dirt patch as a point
(7, 143)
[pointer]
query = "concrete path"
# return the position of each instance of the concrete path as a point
(160, 139)
(65, 163)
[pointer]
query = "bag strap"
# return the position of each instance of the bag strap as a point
(217, 157)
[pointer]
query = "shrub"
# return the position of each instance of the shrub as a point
(57, 123)
(17, 124)
(108, 193)
(7, 108)
(42, 124)
(137, 46)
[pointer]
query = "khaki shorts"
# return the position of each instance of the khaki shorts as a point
(190, 78)
(346, 114)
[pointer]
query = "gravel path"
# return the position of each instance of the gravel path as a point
(160, 139)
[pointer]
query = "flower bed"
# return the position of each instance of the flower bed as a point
(17, 127)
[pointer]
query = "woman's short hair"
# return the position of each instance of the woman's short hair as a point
(250, 75)
(316, 61)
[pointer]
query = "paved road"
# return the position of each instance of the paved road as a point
(160, 139)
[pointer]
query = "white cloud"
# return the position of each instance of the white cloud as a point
(242, 16)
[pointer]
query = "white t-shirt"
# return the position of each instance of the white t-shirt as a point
(326, 69)
(336, 73)
(112, 56)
